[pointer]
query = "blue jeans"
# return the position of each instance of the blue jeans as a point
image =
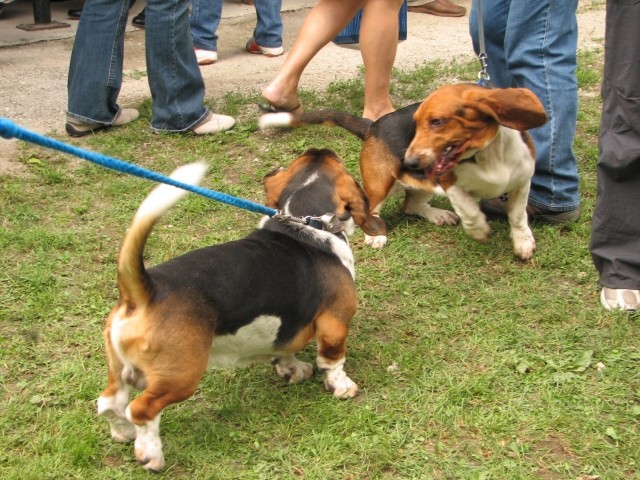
(95, 69)
(206, 14)
(533, 44)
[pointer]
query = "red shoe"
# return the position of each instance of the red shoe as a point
(253, 47)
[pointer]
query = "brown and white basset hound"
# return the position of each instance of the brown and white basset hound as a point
(265, 296)
(465, 141)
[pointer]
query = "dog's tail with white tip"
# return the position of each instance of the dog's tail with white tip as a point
(132, 276)
(356, 125)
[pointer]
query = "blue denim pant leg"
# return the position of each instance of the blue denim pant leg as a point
(95, 68)
(533, 45)
(176, 84)
(268, 31)
(204, 21)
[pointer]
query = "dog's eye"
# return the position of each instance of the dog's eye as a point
(436, 122)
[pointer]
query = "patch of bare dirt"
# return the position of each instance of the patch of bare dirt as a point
(33, 81)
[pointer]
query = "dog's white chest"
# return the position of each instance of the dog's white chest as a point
(251, 342)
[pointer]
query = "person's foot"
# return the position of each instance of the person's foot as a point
(214, 123)
(620, 299)
(78, 128)
(497, 208)
(441, 8)
(139, 20)
(253, 47)
(279, 101)
(206, 57)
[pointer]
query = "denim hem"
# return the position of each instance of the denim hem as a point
(202, 46)
(555, 208)
(91, 120)
(266, 45)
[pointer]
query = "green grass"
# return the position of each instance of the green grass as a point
(471, 365)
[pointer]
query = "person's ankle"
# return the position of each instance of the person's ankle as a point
(374, 115)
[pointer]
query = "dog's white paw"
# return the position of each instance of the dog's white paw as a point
(148, 446)
(479, 230)
(377, 241)
(523, 244)
(437, 216)
(152, 463)
(337, 382)
(122, 430)
(293, 370)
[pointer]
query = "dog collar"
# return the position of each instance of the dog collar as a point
(328, 222)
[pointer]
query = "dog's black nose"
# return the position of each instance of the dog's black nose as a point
(411, 162)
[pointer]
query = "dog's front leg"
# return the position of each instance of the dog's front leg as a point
(473, 220)
(524, 244)
(417, 203)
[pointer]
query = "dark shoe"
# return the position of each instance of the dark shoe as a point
(138, 20)
(74, 13)
(497, 208)
(441, 8)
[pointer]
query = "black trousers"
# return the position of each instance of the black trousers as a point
(615, 238)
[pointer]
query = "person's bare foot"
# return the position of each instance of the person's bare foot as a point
(280, 101)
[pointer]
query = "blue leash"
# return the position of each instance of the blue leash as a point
(8, 130)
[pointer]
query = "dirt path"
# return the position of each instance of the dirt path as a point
(33, 80)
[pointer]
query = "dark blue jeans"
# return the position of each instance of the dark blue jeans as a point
(95, 69)
(533, 44)
(206, 14)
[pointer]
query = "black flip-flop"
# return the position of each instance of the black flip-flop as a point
(271, 108)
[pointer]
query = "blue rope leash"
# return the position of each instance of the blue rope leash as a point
(8, 130)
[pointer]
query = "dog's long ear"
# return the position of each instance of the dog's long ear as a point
(274, 183)
(516, 108)
(356, 202)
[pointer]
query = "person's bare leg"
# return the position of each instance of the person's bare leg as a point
(378, 45)
(321, 25)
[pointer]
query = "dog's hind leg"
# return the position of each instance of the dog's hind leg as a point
(114, 399)
(145, 411)
(292, 369)
(111, 405)
(331, 335)
(172, 372)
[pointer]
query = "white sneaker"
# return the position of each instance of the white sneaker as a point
(620, 299)
(206, 57)
(214, 123)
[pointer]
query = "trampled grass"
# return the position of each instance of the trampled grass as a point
(471, 364)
